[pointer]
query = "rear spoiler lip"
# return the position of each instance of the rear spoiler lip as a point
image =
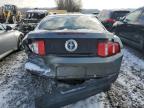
(69, 33)
(49, 34)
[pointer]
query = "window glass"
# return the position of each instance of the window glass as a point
(118, 14)
(132, 17)
(71, 22)
(141, 18)
(35, 15)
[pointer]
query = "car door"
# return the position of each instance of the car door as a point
(141, 30)
(128, 30)
(8, 41)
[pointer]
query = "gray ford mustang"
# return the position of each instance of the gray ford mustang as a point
(10, 40)
(73, 46)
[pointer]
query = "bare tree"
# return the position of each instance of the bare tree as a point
(69, 5)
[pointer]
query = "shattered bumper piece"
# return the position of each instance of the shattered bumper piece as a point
(65, 96)
(37, 70)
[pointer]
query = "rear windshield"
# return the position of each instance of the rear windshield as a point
(71, 22)
(117, 14)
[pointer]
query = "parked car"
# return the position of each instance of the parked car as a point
(73, 46)
(108, 17)
(10, 40)
(33, 17)
(131, 29)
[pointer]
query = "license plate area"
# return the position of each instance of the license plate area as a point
(71, 72)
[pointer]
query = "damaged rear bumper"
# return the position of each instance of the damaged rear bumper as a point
(61, 96)
(37, 70)
(73, 68)
(65, 96)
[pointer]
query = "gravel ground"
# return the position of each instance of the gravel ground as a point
(128, 90)
(18, 88)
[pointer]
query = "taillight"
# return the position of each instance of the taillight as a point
(38, 47)
(106, 49)
(110, 20)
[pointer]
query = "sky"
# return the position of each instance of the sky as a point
(86, 4)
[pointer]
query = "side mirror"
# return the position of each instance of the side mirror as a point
(8, 28)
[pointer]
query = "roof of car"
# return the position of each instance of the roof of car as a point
(140, 8)
(71, 14)
(122, 10)
(37, 11)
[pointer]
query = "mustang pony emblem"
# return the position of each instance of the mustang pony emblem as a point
(71, 45)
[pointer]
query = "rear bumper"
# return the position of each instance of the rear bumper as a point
(74, 68)
(65, 96)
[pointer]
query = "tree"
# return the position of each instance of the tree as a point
(69, 5)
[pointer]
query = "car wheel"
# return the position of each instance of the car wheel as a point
(20, 46)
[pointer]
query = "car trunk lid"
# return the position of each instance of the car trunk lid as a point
(55, 42)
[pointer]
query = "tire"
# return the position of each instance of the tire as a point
(19, 45)
(14, 20)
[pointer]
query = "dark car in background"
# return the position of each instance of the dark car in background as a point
(109, 17)
(32, 18)
(131, 29)
(73, 47)
(10, 40)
